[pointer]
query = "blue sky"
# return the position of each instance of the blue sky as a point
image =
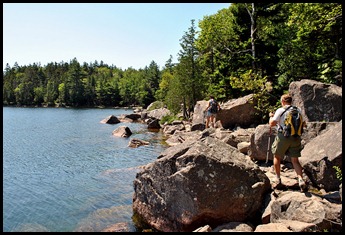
(121, 34)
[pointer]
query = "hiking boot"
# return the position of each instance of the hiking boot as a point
(302, 185)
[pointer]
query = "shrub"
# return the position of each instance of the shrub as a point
(168, 119)
(338, 173)
(156, 105)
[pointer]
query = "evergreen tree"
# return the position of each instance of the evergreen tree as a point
(74, 85)
(188, 72)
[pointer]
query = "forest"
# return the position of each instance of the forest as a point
(247, 48)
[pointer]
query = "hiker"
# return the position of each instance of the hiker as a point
(211, 111)
(290, 146)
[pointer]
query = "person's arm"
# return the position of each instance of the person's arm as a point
(274, 118)
(209, 104)
(272, 122)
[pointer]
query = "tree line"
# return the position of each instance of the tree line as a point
(247, 48)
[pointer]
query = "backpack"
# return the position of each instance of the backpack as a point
(293, 122)
(214, 106)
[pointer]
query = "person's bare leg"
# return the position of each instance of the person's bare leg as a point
(298, 168)
(207, 121)
(212, 121)
(276, 163)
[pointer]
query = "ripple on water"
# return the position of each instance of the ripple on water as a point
(30, 227)
(64, 171)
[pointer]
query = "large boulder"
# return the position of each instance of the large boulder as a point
(122, 131)
(153, 123)
(196, 183)
(238, 112)
(110, 120)
(199, 114)
(314, 129)
(260, 143)
(238, 136)
(320, 155)
(318, 101)
(158, 113)
(133, 116)
(309, 209)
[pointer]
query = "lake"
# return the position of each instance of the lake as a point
(64, 171)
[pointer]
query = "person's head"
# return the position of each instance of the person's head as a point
(286, 99)
(211, 97)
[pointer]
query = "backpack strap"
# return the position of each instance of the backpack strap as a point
(283, 113)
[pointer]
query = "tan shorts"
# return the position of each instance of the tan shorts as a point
(289, 146)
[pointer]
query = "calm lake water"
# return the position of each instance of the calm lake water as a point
(64, 171)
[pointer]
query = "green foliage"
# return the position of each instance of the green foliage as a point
(74, 85)
(51, 93)
(169, 119)
(253, 83)
(39, 95)
(164, 85)
(313, 32)
(174, 95)
(186, 85)
(338, 173)
(218, 34)
(62, 91)
(151, 78)
(330, 70)
(156, 105)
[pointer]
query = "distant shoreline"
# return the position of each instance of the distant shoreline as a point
(66, 106)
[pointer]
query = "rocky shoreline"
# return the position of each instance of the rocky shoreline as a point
(220, 179)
